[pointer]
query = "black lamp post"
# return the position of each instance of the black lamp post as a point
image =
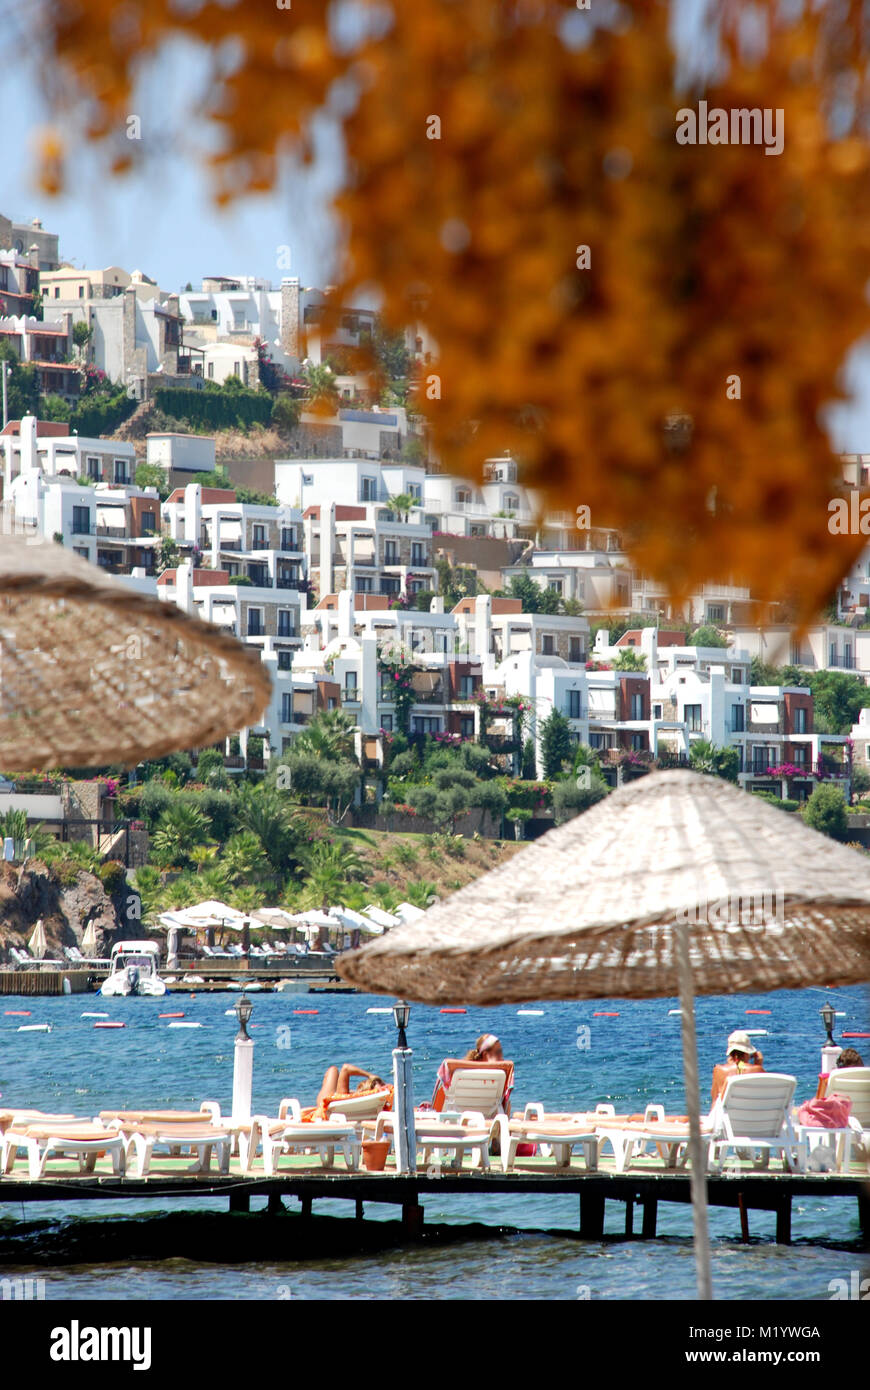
(243, 1009)
(401, 1013)
(828, 1016)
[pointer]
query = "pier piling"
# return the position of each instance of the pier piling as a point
(591, 1215)
(650, 1215)
(240, 1201)
(629, 1216)
(412, 1218)
(783, 1221)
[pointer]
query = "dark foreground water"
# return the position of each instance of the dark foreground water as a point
(628, 1060)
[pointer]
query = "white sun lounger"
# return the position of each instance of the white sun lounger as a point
(753, 1112)
(42, 1142)
(633, 1138)
(854, 1082)
(437, 1136)
(202, 1138)
(290, 1135)
(555, 1138)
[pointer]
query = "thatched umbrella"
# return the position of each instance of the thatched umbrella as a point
(94, 672)
(677, 883)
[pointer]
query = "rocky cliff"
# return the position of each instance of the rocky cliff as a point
(66, 909)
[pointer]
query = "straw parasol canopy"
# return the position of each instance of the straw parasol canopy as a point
(590, 910)
(75, 641)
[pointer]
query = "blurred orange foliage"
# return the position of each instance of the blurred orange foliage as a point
(557, 132)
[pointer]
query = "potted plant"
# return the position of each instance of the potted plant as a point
(374, 1154)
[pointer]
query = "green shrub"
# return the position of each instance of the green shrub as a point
(216, 409)
(113, 876)
(569, 800)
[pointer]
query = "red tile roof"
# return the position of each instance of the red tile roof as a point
(206, 577)
(209, 495)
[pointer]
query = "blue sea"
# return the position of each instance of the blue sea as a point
(629, 1060)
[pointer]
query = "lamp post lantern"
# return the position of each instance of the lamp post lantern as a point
(403, 1094)
(830, 1049)
(243, 1061)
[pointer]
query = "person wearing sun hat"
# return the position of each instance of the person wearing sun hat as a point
(743, 1058)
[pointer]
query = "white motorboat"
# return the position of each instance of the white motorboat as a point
(134, 970)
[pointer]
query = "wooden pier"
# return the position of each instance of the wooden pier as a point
(644, 1190)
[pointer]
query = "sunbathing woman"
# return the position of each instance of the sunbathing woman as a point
(336, 1086)
(486, 1049)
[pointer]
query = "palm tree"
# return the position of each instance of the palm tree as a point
(149, 886)
(265, 813)
(180, 829)
(247, 899)
(322, 389)
(331, 867)
(244, 857)
(402, 503)
(421, 892)
(330, 735)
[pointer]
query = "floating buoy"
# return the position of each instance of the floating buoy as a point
(110, 1025)
(605, 1014)
(170, 1015)
(307, 1011)
(368, 1011)
(186, 1025)
(758, 1011)
(35, 1028)
(855, 1035)
(530, 1013)
(95, 1015)
(454, 1011)
(229, 1012)
(674, 1011)
(17, 1013)
(756, 1032)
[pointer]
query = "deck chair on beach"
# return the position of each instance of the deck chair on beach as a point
(854, 1083)
(556, 1138)
(200, 1136)
(754, 1113)
(50, 1139)
(652, 1133)
(16, 1119)
(290, 1134)
(446, 1140)
(483, 1087)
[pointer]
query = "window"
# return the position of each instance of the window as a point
(387, 723)
(211, 371)
(391, 552)
(259, 576)
(574, 705)
(847, 655)
(81, 521)
(415, 490)
(285, 661)
(596, 741)
(738, 719)
(121, 473)
(762, 759)
(576, 649)
(424, 724)
(638, 743)
(285, 623)
(255, 622)
(466, 726)
(692, 716)
(82, 551)
(463, 496)
(231, 568)
(369, 489)
(637, 705)
(657, 711)
(556, 586)
(511, 502)
(288, 538)
(715, 612)
(390, 586)
(466, 687)
(832, 654)
(259, 536)
(287, 708)
(548, 644)
(799, 755)
(81, 291)
(149, 523)
(363, 585)
(93, 465)
(418, 553)
(350, 688)
(800, 720)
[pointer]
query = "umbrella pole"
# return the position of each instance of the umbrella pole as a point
(698, 1176)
